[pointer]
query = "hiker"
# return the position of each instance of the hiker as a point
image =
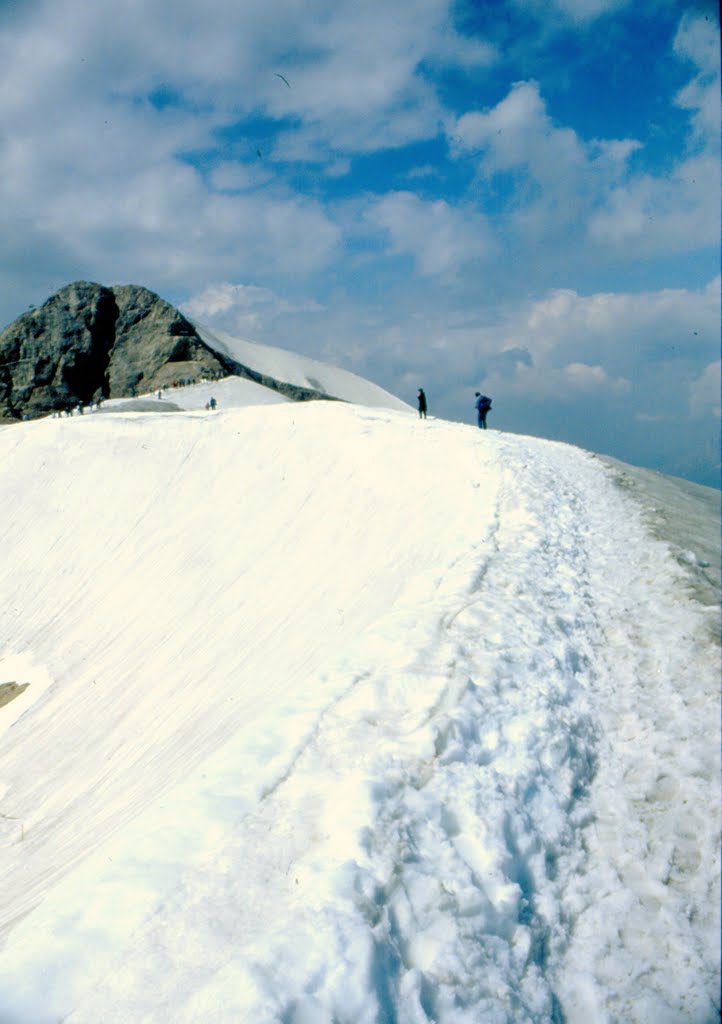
(483, 405)
(212, 404)
(422, 404)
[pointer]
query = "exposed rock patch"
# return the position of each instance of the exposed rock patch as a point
(89, 342)
(9, 691)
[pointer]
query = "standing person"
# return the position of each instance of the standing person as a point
(483, 405)
(422, 404)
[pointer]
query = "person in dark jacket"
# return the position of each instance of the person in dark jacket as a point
(483, 404)
(422, 404)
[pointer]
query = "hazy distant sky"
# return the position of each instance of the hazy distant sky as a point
(520, 197)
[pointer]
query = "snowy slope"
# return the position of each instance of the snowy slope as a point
(292, 368)
(229, 393)
(338, 716)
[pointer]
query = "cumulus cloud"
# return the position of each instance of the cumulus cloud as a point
(643, 349)
(634, 331)
(704, 392)
(100, 127)
(559, 178)
(589, 190)
(697, 40)
(234, 176)
(518, 132)
(676, 213)
(584, 378)
(440, 237)
(244, 308)
(680, 210)
(565, 384)
(109, 161)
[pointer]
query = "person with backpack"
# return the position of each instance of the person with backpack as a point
(483, 405)
(422, 404)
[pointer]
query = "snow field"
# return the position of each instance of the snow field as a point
(293, 368)
(364, 720)
(229, 392)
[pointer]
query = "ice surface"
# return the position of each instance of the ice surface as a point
(334, 715)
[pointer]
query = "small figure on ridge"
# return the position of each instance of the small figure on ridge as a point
(483, 405)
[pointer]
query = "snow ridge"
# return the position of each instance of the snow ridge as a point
(468, 778)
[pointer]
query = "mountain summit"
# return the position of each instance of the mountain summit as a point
(89, 342)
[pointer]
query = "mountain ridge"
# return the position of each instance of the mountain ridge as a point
(88, 342)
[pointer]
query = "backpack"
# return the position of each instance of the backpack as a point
(483, 404)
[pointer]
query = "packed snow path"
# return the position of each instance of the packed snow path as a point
(336, 716)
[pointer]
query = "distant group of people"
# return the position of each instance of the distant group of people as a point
(185, 382)
(210, 404)
(72, 410)
(482, 405)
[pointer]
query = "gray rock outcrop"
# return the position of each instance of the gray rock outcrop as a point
(89, 342)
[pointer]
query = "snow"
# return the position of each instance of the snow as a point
(230, 392)
(293, 368)
(335, 715)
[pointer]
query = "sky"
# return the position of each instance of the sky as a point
(423, 726)
(516, 197)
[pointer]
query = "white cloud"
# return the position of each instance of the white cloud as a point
(548, 379)
(583, 192)
(680, 210)
(582, 377)
(677, 213)
(644, 350)
(452, 48)
(243, 308)
(220, 298)
(353, 70)
(354, 75)
(559, 177)
(440, 238)
(234, 176)
(633, 331)
(161, 224)
(704, 392)
(517, 132)
(697, 40)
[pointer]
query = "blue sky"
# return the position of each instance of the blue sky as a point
(520, 196)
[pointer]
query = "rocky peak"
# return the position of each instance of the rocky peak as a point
(89, 342)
